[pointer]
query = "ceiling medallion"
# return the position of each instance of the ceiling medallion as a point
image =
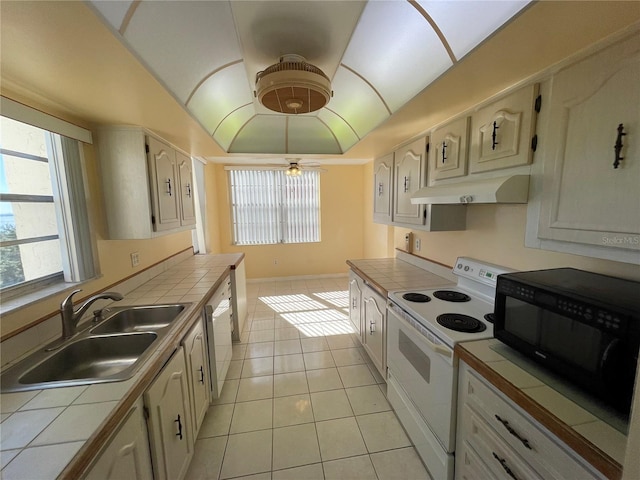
(293, 86)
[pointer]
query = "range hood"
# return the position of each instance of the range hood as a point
(511, 189)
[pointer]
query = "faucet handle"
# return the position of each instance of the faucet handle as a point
(68, 302)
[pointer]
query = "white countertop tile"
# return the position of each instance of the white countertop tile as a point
(11, 402)
(54, 397)
(77, 422)
(41, 462)
(608, 439)
(22, 427)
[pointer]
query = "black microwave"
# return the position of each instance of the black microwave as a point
(584, 326)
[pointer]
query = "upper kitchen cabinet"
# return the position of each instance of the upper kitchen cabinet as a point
(382, 187)
(147, 184)
(503, 131)
(449, 149)
(410, 175)
(591, 154)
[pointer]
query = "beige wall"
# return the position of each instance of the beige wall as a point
(341, 210)
(495, 233)
(113, 255)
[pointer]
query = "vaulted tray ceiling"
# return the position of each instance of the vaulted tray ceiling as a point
(378, 55)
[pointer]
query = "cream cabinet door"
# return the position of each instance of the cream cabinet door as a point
(187, 200)
(167, 400)
(449, 150)
(375, 320)
(127, 454)
(355, 303)
(409, 176)
(195, 349)
(382, 185)
(165, 191)
(503, 131)
(590, 197)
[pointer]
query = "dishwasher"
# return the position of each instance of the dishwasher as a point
(219, 326)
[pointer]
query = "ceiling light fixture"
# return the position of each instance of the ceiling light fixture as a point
(293, 170)
(293, 86)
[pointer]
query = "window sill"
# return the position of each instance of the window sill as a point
(13, 304)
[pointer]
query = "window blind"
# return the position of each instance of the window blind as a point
(270, 207)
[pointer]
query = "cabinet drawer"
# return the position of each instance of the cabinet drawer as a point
(547, 455)
(468, 464)
(493, 450)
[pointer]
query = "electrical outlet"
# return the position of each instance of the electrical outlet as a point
(135, 259)
(418, 244)
(275, 261)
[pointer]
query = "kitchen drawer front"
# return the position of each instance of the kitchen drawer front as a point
(547, 455)
(493, 450)
(469, 466)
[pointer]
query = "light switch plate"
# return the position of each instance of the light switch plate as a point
(135, 259)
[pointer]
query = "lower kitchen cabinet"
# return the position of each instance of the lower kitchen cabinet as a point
(356, 285)
(169, 420)
(127, 453)
(374, 309)
(496, 439)
(195, 349)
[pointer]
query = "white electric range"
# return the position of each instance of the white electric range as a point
(422, 368)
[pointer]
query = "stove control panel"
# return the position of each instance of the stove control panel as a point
(483, 272)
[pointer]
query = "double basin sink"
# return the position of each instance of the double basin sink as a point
(108, 351)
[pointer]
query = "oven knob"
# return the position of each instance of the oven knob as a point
(466, 269)
(459, 265)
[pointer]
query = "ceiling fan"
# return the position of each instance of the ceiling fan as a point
(295, 167)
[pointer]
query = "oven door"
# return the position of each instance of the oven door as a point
(424, 367)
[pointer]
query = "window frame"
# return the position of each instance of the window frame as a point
(279, 210)
(69, 185)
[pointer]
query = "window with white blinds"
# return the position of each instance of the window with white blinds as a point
(270, 207)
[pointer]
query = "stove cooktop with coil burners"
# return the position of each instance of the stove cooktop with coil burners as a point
(464, 305)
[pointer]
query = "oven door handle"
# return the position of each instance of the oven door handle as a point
(444, 351)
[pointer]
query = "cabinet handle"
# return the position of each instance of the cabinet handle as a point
(380, 189)
(189, 190)
(444, 151)
(510, 429)
(506, 468)
(168, 182)
(179, 422)
(618, 146)
(406, 184)
(494, 135)
(372, 327)
(353, 303)
(201, 374)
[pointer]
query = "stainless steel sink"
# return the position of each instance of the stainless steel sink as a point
(138, 319)
(111, 351)
(91, 358)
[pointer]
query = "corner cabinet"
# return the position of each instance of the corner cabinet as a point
(169, 420)
(397, 177)
(127, 453)
(591, 157)
(147, 184)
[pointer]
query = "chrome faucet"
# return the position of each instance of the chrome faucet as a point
(70, 318)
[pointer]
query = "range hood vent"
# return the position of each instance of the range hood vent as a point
(511, 189)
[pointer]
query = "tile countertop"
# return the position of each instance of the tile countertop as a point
(405, 272)
(527, 385)
(56, 432)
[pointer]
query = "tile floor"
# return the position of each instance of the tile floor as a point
(301, 399)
